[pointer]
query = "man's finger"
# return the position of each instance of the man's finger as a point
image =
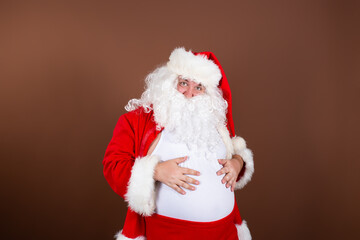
(190, 171)
(222, 171)
(190, 180)
(233, 186)
(178, 189)
(180, 160)
(187, 186)
(222, 161)
(226, 178)
(230, 182)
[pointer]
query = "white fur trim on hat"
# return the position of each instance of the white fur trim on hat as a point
(120, 236)
(195, 67)
(243, 231)
(141, 188)
(247, 155)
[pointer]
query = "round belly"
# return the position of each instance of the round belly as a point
(210, 201)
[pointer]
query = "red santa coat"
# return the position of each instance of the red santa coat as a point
(130, 172)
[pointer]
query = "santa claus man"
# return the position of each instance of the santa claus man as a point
(174, 156)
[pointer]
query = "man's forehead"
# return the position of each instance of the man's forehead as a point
(189, 80)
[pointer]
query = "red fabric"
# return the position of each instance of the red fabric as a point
(132, 136)
(160, 227)
(134, 225)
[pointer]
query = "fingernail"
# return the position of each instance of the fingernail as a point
(192, 188)
(197, 182)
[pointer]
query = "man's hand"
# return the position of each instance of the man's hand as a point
(231, 169)
(171, 174)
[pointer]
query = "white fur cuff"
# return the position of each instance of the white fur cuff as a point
(243, 231)
(141, 188)
(239, 145)
(120, 236)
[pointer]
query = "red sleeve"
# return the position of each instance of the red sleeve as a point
(120, 156)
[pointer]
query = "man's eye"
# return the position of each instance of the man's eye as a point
(199, 88)
(183, 83)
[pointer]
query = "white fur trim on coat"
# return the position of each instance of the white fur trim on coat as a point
(224, 133)
(247, 155)
(195, 67)
(243, 231)
(141, 188)
(120, 236)
(237, 145)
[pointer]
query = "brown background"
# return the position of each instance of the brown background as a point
(68, 68)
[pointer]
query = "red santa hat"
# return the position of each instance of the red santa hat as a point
(204, 68)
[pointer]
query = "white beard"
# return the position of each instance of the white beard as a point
(193, 121)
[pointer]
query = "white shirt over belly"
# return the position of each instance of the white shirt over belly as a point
(210, 201)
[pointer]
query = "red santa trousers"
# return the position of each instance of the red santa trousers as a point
(160, 227)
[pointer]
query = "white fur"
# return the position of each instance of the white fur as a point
(247, 155)
(224, 133)
(195, 67)
(141, 188)
(243, 231)
(120, 236)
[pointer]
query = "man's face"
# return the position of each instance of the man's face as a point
(189, 88)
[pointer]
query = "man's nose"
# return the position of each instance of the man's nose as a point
(189, 93)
